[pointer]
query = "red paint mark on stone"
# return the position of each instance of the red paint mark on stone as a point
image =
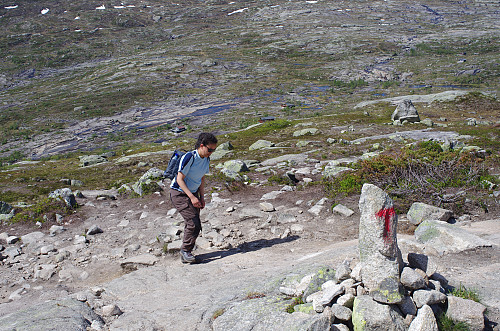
(387, 214)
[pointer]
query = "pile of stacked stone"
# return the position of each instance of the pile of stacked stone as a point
(383, 292)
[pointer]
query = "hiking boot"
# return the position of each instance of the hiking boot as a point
(187, 257)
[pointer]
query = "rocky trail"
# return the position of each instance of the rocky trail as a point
(126, 277)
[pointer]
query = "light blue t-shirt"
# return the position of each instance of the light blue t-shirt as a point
(194, 167)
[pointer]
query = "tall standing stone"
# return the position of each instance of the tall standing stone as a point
(378, 248)
(405, 111)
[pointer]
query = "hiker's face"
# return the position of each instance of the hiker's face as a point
(207, 150)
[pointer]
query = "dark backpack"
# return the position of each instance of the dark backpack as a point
(173, 164)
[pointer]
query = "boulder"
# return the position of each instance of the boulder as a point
(260, 144)
(467, 311)
(420, 212)
(235, 166)
(66, 195)
(405, 111)
(90, 160)
(304, 132)
(378, 247)
(425, 320)
(221, 151)
(448, 238)
(332, 171)
(369, 315)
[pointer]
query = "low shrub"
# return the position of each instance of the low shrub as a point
(42, 211)
(420, 172)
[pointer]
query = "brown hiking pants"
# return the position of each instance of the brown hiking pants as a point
(191, 215)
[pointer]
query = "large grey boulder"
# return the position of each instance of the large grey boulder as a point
(235, 166)
(420, 212)
(332, 171)
(61, 315)
(467, 311)
(447, 238)
(66, 195)
(378, 247)
(290, 158)
(260, 144)
(148, 182)
(405, 111)
(306, 132)
(369, 315)
(152, 174)
(221, 151)
(90, 160)
(425, 320)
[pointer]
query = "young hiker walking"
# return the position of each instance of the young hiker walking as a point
(188, 188)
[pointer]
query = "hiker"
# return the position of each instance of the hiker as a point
(187, 190)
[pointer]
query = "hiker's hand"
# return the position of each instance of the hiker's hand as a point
(196, 202)
(202, 200)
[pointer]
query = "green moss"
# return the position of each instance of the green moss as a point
(358, 321)
(429, 231)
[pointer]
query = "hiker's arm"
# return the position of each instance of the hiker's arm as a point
(201, 190)
(183, 186)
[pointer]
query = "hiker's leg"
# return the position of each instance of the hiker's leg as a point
(191, 215)
(192, 229)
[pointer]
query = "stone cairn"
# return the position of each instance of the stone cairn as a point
(382, 292)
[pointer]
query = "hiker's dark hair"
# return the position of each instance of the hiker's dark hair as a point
(205, 138)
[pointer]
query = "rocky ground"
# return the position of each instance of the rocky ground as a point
(243, 250)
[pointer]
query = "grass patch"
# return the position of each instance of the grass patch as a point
(447, 324)
(464, 293)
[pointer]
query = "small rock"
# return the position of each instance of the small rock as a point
(428, 297)
(343, 210)
(111, 310)
(412, 279)
(341, 312)
(94, 229)
(56, 229)
(266, 206)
